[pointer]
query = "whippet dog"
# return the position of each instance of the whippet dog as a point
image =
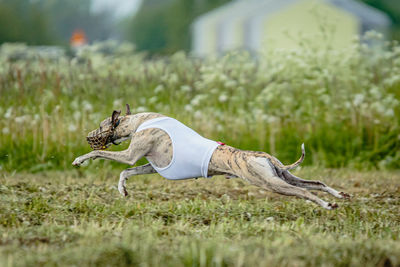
(165, 142)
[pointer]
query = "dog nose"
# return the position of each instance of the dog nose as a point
(97, 139)
(93, 133)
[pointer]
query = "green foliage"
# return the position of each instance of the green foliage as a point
(392, 9)
(344, 105)
(49, 22)
(24, 20)
(74, 218)
(67, 16)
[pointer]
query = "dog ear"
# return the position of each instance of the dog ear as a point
(114, 117)
(128, 109)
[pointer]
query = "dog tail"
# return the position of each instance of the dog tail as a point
(282, 167)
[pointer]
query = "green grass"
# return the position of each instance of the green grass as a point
(343, 104)
(77, 218)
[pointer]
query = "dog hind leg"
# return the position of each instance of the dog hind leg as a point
(312, 185)
(261, 173)
(307, 184)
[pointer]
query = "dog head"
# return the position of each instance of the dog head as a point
(104, 136)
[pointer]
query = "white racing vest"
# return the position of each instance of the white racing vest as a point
(191, 152)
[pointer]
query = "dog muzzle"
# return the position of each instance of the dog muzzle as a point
(99, 140)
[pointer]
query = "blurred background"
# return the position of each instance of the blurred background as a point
(256, 74)
(199, 26)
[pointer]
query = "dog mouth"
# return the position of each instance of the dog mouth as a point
(100, 140)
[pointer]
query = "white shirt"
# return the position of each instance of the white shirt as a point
(191, 152)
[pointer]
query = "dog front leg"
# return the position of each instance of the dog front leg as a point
(125, 174)
(140, 145)
(119, 156)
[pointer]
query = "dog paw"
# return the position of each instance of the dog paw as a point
(125, 193)
(344, 195)
(122, 190)
(77, 162)
(332, 206)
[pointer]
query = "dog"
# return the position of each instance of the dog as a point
(158, 145)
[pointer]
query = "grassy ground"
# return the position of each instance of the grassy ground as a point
(77, 218)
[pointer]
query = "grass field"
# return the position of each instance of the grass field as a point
(343, 104)
(77, 218)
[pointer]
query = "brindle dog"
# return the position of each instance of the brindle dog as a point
(258, 168)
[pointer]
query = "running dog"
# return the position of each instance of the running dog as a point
(177, 152)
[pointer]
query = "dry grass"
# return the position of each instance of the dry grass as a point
(78, 218)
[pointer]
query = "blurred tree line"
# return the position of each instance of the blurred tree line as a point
(392, 9)
(160, 26)
(50, 22)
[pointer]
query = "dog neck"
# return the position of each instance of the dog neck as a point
(130, 123)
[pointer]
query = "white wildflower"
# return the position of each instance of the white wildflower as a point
(117, 103)
(77, 115)
(230, 84)
(173, 79)
(21, 119)
(198, 114)
(95, 116)
(222, 77)
(188, 108)
(378, 107)
(373, 35)
(214, 91)
(153, 99)
(321, 91)
(186, 88)
(272, 119)
(326, 99)
(265, 118)
(5, 130)
(375, 92)
(87, 106)
(8, 113)
(197, 99)
(223, 98)
(140, 109)
(74, 104)
(72, 127)
(159, 89)
(389, 113)
(358, 99)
